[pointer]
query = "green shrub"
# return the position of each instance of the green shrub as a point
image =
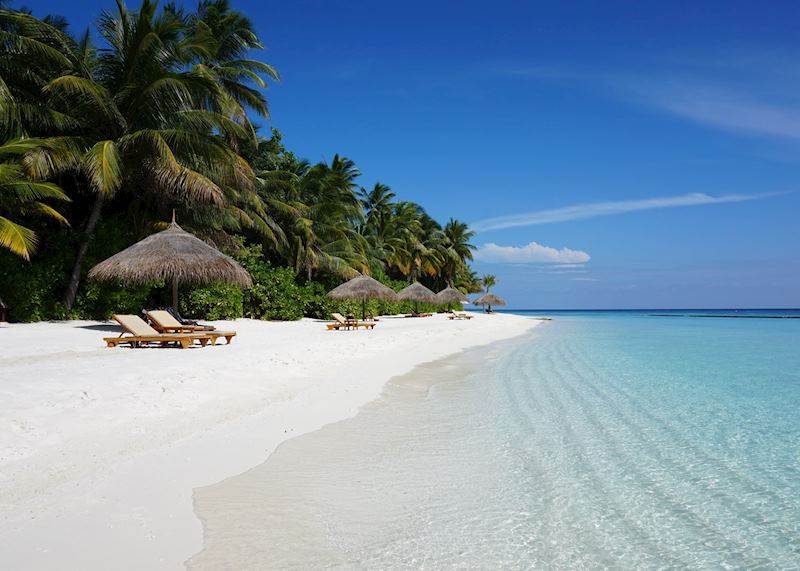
(275, 293)
(214, 301)
(102, 300)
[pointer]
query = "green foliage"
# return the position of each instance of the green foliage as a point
(33, 289)
(215, 301)
(275, 294)
(29, 290)
(157, 118)
(101, 301)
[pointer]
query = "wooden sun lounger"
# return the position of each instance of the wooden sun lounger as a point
(342, 323)
(165, 322)
(459, 315)
(140, 334)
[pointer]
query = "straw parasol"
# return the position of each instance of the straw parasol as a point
(362, 288)
(489, 300)
(450, 295)
(172, 255)
(417, 293)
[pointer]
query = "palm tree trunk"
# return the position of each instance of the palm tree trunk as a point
(75, 277)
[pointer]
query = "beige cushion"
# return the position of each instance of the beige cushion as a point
(136, 326)
(164, 318)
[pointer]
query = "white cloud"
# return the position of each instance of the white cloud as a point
(594, 209)
(532, 253)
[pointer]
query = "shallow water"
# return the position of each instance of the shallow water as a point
(620, 441)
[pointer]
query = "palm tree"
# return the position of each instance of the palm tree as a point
(456, 249)
(138, 121)
(488, 280)
(20, 197)
(322, 215)
(158, 118)
(219, 41)
(33, 52)
(413, 242)
(377, 205)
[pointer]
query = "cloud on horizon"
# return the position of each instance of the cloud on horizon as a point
(532, 253)
(595, 209)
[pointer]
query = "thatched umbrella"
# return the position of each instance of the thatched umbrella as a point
(489, 300)
(172, 255)
(363, 288)
(450, 295)
(417, 293)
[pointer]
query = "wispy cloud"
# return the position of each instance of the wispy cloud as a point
(721, 107)
(532, 253)
(595, 209)
(750, 93)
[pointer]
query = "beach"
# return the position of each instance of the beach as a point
(102, 448)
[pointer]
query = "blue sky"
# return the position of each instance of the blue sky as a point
(612, 154)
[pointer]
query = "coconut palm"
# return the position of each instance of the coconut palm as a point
(220, 40)
(456, 249)
(377, 205)
(158, 117)
(139, 121)
(413, 241)
(323, 237)
(34, 51)
(488, 281)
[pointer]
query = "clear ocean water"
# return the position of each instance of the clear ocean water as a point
(602, 440)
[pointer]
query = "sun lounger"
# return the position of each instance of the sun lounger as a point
(180, 319)
(459, 315)
(419, 315)
(343, 323)
(165, 322)
(137, 333)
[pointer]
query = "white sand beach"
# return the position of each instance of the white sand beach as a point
(101, 448)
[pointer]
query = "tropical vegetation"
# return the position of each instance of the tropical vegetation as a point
(100, 143)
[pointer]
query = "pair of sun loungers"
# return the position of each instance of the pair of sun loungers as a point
(459, 315)
(341, 322)
(166, 330)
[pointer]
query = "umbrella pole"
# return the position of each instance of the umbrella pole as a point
(175, 295)
(364, 309)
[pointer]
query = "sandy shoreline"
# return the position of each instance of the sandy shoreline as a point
(102, 448)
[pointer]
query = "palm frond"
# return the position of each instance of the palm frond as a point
(102, 164)
(16, 238)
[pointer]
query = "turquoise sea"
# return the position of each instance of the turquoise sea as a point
(602, 440)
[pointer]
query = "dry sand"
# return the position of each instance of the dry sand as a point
(101, 448)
